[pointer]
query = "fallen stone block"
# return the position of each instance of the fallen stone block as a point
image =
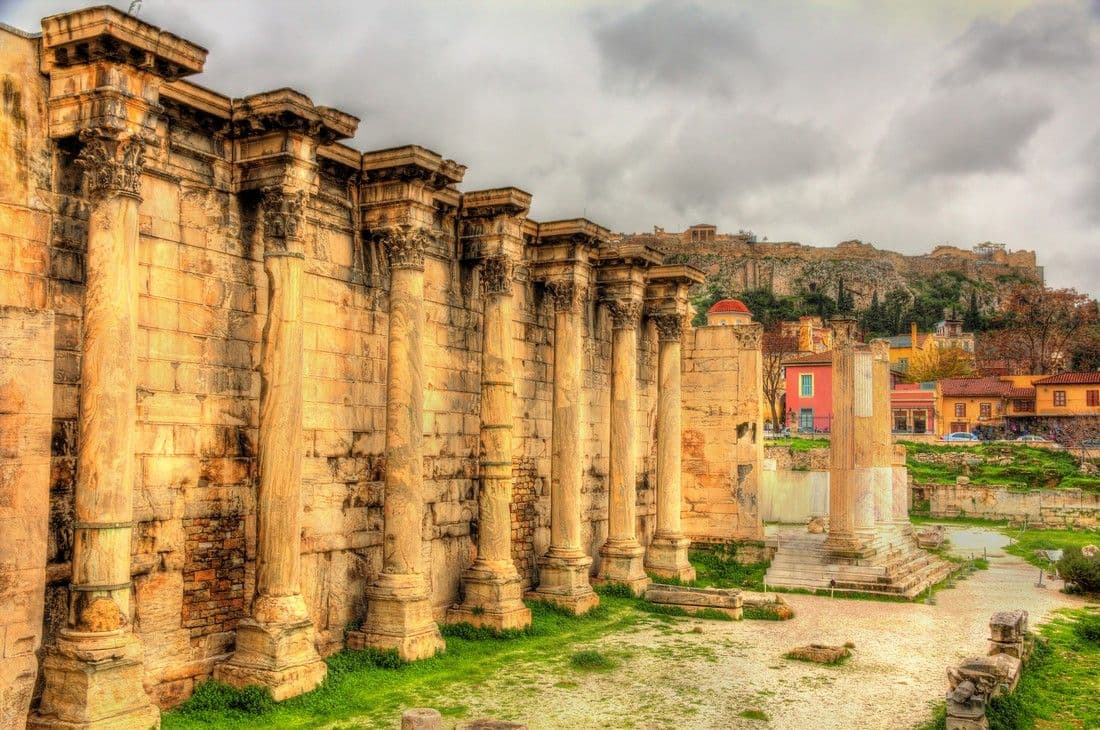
(820, 653)
(772, 605)
(694, 600)
(488, 724)
(931, 537)
(1008, 634)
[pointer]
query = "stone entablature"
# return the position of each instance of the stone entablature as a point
(271, 318)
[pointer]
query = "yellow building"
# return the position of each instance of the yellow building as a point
(1067, 394)
(1039, 404)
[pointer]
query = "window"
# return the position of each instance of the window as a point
(1092, 398)
(985, 410)
(806, 420)
(1059, 397)
(806, 385)
(920, 421)
(960, 410)
(901, 421)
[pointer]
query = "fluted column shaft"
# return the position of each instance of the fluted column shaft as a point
(882, 433)
(666, 554)
(497, 415)
(842, 448)
(864, 437)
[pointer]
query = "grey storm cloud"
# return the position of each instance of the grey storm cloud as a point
(902, 124)
(678, 45)
(1049, 38)
(961, 132)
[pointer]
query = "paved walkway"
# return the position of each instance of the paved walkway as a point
(670, 677)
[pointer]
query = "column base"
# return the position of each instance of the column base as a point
(94, 680)
(622, 563)
(492, 599)
(667, 557)
(399, 616)
(846, 546)
(281, 657)
(563, 582)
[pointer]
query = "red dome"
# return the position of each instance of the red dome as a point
(728, 305)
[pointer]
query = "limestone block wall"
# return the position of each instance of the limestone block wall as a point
(722, 438)
(793, 497)
(26, 419)
(1039, 507)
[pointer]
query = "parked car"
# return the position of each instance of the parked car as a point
(960, 436)
(1033, 439)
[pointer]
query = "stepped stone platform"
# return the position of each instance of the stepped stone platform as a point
(895, 566)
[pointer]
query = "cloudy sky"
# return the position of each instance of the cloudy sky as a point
(901, 123)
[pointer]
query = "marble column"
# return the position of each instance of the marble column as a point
(842, 540)
(93, 677)
(563, 572)
(899, 478)
(492, 586)
(399, 608)
(667, 553)
(621, 556)
(863, 440)
(882, 433)
(275, 643)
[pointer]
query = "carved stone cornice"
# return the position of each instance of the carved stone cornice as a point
(112, 164)
(496, 275)
(405, 247)
(670, 327)
(283, 213)
(625, 313)
(880, 349)
(567, 296)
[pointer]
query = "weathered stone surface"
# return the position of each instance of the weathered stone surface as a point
(421, 718)
(819, 653)
(727, 601)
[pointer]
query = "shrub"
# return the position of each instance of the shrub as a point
(1082, 572)
(218, 697)
(591, 660)
(1087, 628)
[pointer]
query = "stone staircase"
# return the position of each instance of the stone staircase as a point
(896, 566)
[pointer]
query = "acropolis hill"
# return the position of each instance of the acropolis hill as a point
(740, 262)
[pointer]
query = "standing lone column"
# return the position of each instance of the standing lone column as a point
(275, 644)
(563, 572)
(95, 674)
(882, 433)
(667, 554)
(621, 555)
(399, 610)
(842, 540)
(493, 592)
(863, 406)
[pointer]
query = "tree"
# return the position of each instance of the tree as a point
(776, 348)
(769, 309)
(1042, 330)
(704, 299)
(935, 363)
(972, 320)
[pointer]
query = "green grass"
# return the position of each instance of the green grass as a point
(798, 443)
(961, 520)
(1030, 468)
(591, 660)
(372, 686)
(717, 568)
(753, 715)
(1026, 542)
(1060, 681)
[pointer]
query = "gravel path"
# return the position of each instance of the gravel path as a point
(672, 677)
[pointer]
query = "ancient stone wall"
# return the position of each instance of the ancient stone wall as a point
(202, 308)
(1038, 507)
(722, 439)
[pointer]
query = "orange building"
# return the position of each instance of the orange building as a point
(1039, 404)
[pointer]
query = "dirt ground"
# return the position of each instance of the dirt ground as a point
(670, 676)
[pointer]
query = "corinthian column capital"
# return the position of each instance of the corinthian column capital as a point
(496, 275)
(625, 313)
(112, 164)
(405, 247)
(283, 213)
(670, 327)
(567, 296)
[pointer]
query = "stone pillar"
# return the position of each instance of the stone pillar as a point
(899, 479)
(563, 572)
(493, 590)
(667, 553)
(94, 675)
(882, 433)
(842, 540)
(621, 555)
(399, 609)
(863, 440)
(275, 643)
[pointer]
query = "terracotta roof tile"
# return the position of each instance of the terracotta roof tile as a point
(962, 387)
(1071, 379)
(728, 305)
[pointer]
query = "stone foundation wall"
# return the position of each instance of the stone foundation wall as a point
(201, 312)
(1041, 507)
